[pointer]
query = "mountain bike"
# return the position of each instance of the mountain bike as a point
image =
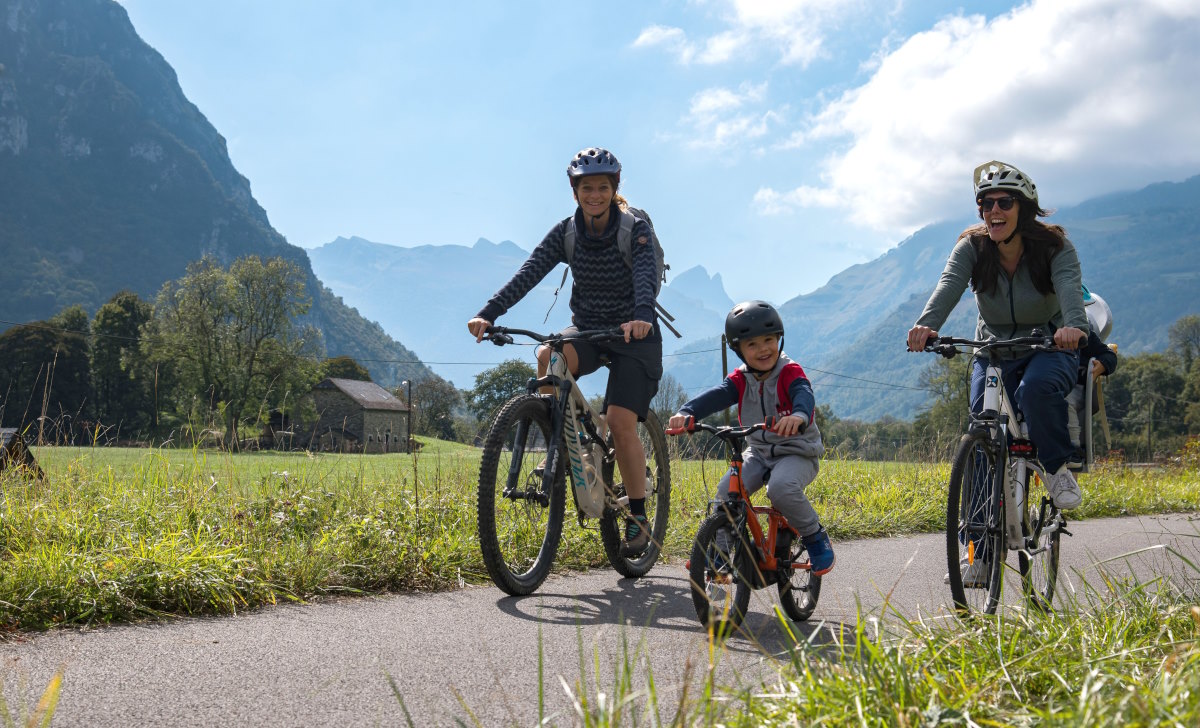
(732, 556)
(991, 508)
(534, 442)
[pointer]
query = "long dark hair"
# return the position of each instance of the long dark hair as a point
(1041, 242)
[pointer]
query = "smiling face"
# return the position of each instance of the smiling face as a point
(760, 352)
(594, 194)
(1001, 223)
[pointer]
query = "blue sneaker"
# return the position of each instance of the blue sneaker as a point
(820, 552)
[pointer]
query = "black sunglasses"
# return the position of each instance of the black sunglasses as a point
(1005, 203)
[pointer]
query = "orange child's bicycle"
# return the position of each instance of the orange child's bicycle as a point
(732, 556)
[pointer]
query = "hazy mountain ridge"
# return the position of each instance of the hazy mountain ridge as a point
(425, 294)
(113, 180)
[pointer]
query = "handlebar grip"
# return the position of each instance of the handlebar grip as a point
(688, 426)
(769, 423)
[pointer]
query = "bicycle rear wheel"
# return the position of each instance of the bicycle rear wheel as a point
(1039, 568)
(720, 572)
(520, 511)
(798, 588)
(975, 546)
(658, 502)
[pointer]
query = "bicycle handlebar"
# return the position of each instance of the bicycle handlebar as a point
(725, 433)
(501, 335)
(948, 346)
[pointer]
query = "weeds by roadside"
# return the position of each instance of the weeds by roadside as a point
(117, 534)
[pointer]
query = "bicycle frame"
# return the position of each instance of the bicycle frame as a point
(585, 433)
(1002, 419)
(767, 560)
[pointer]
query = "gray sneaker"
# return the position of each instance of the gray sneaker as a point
(1064, 491)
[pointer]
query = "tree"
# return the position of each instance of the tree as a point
(495, 386)
(945, 418)
(434, 403)
(124, 387)
(344, 367)
(669, 398)
(1184, 338)
(1144, 407)
(232, 339)
(45, 375)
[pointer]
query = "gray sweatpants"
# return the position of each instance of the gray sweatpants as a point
(790, 475)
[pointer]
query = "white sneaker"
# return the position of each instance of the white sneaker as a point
(1064, 491)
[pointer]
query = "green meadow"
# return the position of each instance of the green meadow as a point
(113, 534)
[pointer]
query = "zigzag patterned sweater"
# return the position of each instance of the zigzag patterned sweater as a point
(605, 293)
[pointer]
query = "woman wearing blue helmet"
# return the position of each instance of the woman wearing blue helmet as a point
(606, 292)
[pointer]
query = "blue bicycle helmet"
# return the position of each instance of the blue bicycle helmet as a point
(592, 161)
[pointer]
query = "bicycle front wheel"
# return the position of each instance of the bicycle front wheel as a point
(658, 502)
(798, 588)
(1039, 568)
(721, 573)
(975, 546)
(520, 511)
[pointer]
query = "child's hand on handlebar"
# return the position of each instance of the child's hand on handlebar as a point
(680, 423)
(790, 425)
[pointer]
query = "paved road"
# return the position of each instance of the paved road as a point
(327, 663)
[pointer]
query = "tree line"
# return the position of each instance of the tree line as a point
(222, 348)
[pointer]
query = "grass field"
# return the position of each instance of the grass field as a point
(116, 535)
(120, 534)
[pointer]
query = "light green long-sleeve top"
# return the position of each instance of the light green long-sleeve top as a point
(1015, 307)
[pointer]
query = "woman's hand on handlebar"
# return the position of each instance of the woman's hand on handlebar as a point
(636, 329)
(1069, 337)
(478, 328)
(918, 336)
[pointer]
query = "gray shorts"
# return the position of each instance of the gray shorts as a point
(633, 369)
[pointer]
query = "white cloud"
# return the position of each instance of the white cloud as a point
(722, 119)
(1087, 96)
(794, 30)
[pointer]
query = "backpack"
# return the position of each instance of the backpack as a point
(625, 244)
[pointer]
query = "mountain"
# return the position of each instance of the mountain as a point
(424, 295)
(110, 178)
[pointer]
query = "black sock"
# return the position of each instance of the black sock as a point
(637, 506)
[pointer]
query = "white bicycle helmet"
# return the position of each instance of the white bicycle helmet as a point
(995, 175)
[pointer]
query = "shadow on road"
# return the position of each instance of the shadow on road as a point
(664, 602)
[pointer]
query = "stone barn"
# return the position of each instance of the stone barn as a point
(355, 416)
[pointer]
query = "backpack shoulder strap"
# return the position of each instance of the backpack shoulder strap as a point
(625, 236)
(568, 252)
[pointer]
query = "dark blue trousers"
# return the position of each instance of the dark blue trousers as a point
(1038, 385)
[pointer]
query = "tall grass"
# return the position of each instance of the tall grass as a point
(117, 534)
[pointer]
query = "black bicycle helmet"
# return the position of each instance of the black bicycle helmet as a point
(749, 319)
(591, 161)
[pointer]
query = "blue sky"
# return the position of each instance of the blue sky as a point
(775, 141)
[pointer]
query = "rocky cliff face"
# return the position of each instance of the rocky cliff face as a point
(110, 178)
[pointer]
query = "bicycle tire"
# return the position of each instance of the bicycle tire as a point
(716, 607)
(519, 536)
(658, 503)
(799, 589)
(1039, 567)
(975, 523)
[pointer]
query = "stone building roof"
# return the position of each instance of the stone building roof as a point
(368, 395)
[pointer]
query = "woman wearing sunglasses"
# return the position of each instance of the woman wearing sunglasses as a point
(1025, 275)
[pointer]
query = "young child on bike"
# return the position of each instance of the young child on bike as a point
(769, 384)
